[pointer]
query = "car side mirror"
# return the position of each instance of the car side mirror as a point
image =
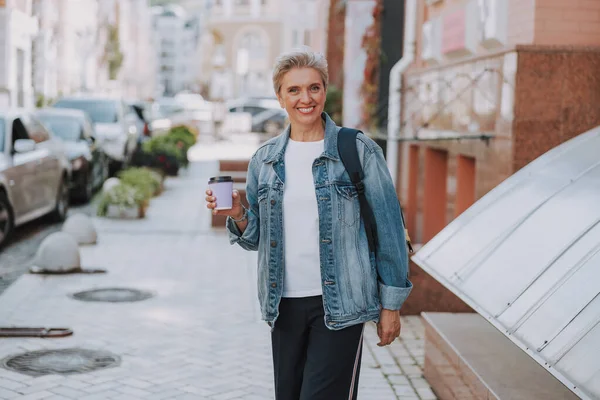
(24, 145)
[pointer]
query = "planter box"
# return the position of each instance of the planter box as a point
(114, 211)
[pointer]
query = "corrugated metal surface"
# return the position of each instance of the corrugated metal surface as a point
(527, 257)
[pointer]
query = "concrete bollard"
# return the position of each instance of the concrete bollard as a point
(110, 183)
(82, 229)
(58, 253)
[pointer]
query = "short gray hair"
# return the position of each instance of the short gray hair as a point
(300, 58)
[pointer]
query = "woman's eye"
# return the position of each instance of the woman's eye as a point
(293, 90)
(315, 88)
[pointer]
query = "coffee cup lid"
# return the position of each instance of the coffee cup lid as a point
(216, 179)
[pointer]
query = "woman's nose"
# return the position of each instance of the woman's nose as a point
(305, 97)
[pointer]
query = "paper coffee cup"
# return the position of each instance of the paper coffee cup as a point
(222, 190)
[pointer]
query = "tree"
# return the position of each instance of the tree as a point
(112, 52)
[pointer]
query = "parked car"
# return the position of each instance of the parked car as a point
(253, 105)
(190, 110)
(89, 164)
(271, 121)
(34, 172)
(266, 113)
(150, 121)
(114, 125)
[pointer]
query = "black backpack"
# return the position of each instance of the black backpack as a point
(349, 155)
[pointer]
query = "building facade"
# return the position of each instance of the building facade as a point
(18, 28)
(137, 75)
(177, 42)
(494, 85)
(45, 51)
(243, 39)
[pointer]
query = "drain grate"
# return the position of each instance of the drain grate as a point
(60, 361)
(113, 295)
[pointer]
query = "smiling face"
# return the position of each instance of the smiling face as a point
(302, 94)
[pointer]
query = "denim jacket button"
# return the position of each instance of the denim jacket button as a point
(273, 243)
(273, 285)
(273, 202)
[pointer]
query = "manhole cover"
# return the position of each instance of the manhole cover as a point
(60, 361)
(113, 295)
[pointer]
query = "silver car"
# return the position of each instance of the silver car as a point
(34, 172)
(114, 123)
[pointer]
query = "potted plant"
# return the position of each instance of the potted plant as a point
(122, 201)
(144, 179)
(162, 154)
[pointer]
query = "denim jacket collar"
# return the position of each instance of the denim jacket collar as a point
(331, 151)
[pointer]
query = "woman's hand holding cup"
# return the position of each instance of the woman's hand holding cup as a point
(236, 211)
(222, 199)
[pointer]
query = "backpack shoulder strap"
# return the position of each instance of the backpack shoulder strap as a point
(349, 155)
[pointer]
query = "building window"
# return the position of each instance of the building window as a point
(307, 38)
(294, 38)
(254, 44)
(242, 2)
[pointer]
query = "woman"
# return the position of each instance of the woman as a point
(318, 283)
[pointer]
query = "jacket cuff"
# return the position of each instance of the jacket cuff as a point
(392, 297)
(234, 232)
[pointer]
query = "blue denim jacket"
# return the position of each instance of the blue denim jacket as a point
(356, 283)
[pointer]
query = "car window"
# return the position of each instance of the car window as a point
(100, 111)
(18, 132)
(36, 130)
(253, 109)
(88, 128)
(66, 128)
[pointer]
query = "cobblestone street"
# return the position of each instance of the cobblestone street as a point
(199, 337)
(16, 258)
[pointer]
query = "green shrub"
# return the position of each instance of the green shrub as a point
(161, 145)
(145, 180)
(122, 195)
(182, 134)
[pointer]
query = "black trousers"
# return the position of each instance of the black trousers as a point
(310, 361)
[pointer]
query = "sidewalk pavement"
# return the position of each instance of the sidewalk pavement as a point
(199, 337)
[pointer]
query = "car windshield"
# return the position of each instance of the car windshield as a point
(100, 111)
(66, 128)
(2, 129)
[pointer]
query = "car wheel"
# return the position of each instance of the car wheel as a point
(62, 202)
(105, 171)
(272, 128)
(6, 219)
(88, 188)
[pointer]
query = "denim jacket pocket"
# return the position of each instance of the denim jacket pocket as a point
(348, 205)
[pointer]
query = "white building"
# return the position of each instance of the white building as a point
(45, 51)
(177, 45)
(243, 39)
(303, 21)
(136, 39)
(17, 30)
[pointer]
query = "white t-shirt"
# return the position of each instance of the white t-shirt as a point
(302, 275)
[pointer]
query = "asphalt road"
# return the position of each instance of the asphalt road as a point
(17, 256)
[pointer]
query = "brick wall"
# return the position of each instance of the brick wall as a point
(557, 97)
(335, 43)
(430, 295)
(573, 22)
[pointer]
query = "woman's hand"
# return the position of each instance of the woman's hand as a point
(388, 327)
(236, 211)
